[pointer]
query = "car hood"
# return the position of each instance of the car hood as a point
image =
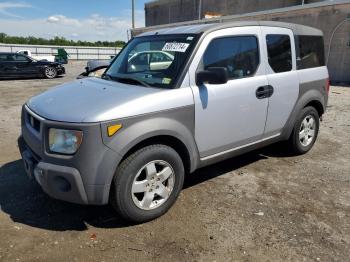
(96, 100)
(45, 62)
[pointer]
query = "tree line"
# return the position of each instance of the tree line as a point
(57, 41)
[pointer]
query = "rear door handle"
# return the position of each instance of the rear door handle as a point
(264, 92)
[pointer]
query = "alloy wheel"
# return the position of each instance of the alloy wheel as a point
(153, 185)
(50, 72)
(307, 130)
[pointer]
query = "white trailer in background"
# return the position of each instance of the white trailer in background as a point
(27, 52)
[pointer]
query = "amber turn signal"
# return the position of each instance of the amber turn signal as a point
(111, 130)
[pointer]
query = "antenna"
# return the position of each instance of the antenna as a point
(133, 13)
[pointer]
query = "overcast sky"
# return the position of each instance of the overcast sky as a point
(73, 19)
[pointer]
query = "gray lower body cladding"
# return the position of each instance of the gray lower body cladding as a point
(177, 123)
(308, 92)
(88, 172)
(86, 176)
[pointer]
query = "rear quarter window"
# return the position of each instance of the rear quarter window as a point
(279, 52)
(311, 52)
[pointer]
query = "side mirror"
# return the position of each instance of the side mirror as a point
(213, 75)
(96, 72)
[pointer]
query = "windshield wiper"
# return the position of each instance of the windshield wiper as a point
(130, 79)
(107, 77)
(124, 79)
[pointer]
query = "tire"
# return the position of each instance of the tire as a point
(133, 188)
(300, 143)
(50, 72)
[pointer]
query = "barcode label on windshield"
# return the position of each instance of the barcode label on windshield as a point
(176, 47)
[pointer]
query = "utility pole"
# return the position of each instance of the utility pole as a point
(200, 10)
(133, 13)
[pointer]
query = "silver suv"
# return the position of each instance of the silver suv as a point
(171, 102)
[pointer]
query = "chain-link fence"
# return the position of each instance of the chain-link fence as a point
(75, 52)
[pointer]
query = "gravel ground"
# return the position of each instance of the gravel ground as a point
(262, 206)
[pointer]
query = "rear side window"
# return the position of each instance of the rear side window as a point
(21, 58)
(311, 52)
(3, 57)
(239, 54)
(279, 52)
(7, 57)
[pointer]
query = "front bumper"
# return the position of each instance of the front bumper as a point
(60, 182)
(82, 178)
(61, 70)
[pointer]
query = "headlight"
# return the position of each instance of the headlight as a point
(64, 141)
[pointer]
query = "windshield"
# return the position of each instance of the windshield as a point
(155, 61)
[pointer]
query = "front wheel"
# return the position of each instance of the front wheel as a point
(147, 183)
(50, 72)
(305, 131)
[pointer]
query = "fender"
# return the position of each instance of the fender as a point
(177, 123)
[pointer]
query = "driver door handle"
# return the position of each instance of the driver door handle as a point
(264, 92)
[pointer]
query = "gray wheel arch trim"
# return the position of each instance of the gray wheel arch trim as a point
(304, 99)
(177, 123)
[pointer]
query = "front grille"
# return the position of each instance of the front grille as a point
(32, 131)
(33, 122)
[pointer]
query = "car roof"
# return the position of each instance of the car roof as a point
(210, 27)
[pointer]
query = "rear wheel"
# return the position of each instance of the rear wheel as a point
(147, 183)
(305, 131)
(50, 72)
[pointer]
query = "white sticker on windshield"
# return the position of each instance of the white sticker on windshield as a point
(176, 47)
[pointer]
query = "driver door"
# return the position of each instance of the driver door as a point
(25, 66)
(230, 116)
